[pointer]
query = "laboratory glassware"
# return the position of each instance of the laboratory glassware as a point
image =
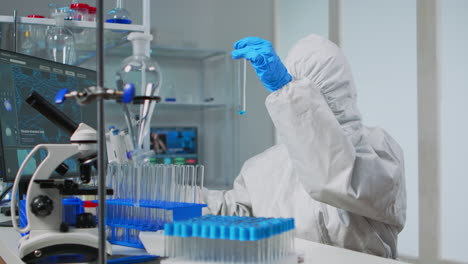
(144, 73)
(92, 13)
(60, 42)
(243, 104)
(30, 38)
(59, 8)
(141, 200)
(79, 11)
(241, 83)
(119, 14)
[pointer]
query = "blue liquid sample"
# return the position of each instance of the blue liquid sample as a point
(242, 112)
(119, 21)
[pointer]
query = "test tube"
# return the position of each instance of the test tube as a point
(173, 185)
(192, 185)
(242, 82)
(200, 172)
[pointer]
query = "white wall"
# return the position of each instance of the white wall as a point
(379, 38)
(454, 129)
(298, 18)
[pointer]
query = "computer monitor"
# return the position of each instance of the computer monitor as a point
(21, 126)
(174, 145)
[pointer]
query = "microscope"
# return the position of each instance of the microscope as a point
(50, 237)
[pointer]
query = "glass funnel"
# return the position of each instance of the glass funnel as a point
(144, 73)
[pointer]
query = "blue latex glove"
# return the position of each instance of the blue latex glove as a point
(268, 66)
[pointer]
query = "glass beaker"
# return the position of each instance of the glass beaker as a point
(60, 43)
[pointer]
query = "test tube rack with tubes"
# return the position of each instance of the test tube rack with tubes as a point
(148, 196)
(230, 239)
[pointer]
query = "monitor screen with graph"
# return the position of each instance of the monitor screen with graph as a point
(22, 127)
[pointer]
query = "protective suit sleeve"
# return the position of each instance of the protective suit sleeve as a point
(233, 202)
(360, 173)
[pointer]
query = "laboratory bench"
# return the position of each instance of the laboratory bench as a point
(312, 252)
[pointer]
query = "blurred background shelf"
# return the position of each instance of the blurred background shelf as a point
(70, 23)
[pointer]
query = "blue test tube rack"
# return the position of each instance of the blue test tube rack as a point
(230, 239)
(145, 216)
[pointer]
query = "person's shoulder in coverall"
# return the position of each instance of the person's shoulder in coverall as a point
(342, 182)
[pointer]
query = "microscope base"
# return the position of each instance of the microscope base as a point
(81, 244)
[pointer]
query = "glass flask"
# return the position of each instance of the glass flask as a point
(30, 38)
(60, 43)
(144, 73)
(119, 14)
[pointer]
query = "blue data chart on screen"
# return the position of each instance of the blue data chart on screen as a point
(33, 127)
(174, 145)
(22, 127)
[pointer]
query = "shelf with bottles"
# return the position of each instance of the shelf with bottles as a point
(71, 23)
(21, 34)
(32, 39)
(81, 15)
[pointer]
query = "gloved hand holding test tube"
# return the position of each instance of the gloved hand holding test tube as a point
(268, 66)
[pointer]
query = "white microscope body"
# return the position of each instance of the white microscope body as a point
(44, 204)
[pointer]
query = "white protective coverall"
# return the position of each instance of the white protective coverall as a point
(342, 182)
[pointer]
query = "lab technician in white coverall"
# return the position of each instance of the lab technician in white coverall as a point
(341, 181)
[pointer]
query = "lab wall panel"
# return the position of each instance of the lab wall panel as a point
(454, 128)
(297, 19)
(379, 39)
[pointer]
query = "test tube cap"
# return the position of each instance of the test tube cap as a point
(169, 229)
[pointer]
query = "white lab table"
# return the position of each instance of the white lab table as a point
(313, 252)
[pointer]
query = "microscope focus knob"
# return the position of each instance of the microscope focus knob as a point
(85, 220)
(42, 206)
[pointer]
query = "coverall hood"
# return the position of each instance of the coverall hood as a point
(321, 61)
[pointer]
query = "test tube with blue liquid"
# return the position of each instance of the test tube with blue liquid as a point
(241, 81)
